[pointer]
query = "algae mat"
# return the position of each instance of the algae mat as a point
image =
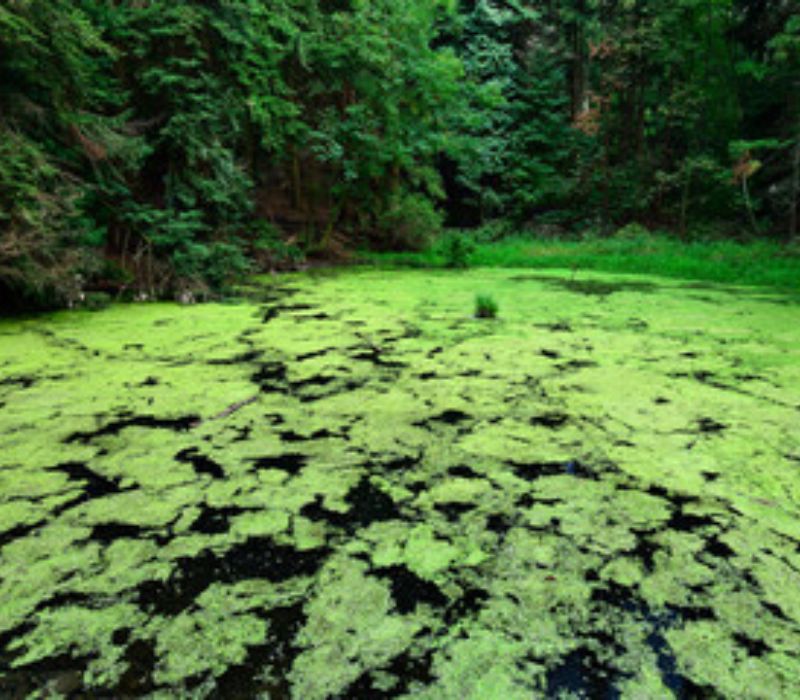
(350, 488)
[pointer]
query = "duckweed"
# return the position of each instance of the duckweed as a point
(358, 490)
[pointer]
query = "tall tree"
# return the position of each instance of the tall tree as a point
(52, 133)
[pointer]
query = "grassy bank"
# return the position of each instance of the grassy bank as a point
(755, 263)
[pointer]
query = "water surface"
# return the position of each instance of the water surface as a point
(348, 487)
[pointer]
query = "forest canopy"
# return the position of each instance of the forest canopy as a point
(155, 147)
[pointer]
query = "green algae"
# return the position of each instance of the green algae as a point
(350, 629)
(206, 641)
(599, 490)
(81, 631)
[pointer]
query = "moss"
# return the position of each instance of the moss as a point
(645, 682)
(127, 563)
(625, 571)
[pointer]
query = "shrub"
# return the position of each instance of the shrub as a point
(485, 306)
(494, 230)
(269, 249)
(224, 263)
(410, 222)
(457, 250)
(632, 232)
(96, 301)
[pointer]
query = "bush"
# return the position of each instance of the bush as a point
(485, 306)
(224, 263)
(632, 232)
(205, 267)
(707, 231)
(269, 249)
(456, 250)
(40, 252)
(494, 230)
(411, 222)
(95, 301)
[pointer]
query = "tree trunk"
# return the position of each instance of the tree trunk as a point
(749, 205)
(687, 187)
(296, 181)
(795, 191)
(579, 68)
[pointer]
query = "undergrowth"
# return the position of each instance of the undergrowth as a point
(747, 263)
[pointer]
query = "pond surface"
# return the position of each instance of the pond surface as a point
(351, 488)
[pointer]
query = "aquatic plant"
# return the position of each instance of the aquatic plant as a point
(331, 492)
(485, 306)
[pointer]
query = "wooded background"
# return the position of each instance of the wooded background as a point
(162, 146)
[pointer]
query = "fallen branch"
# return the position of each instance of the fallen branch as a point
(233, 408)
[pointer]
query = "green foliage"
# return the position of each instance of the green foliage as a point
(486, 38)
(485, 306)
(151, 145)
(542, 144)
(270, 250)
(456, 250)
(94, 301)
(50, 91)
(656, 95)
(494, 230)
(632, 232)
(160, 138)
(410, 222)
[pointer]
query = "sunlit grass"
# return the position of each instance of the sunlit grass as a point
(755, 263)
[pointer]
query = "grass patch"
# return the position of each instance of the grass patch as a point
(754, 263)
(485, 306)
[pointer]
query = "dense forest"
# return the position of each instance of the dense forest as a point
(154, 148)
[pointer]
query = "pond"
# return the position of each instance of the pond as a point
(347, 486)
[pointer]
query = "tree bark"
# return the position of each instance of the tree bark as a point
(748, 203)
(687, 186)
(580, 57)
(296, 181)
(795, 191)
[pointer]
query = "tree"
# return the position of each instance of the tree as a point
(52, 133)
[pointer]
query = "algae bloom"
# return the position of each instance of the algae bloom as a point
(345, 487)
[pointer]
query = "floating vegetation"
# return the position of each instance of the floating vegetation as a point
(370, 496)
